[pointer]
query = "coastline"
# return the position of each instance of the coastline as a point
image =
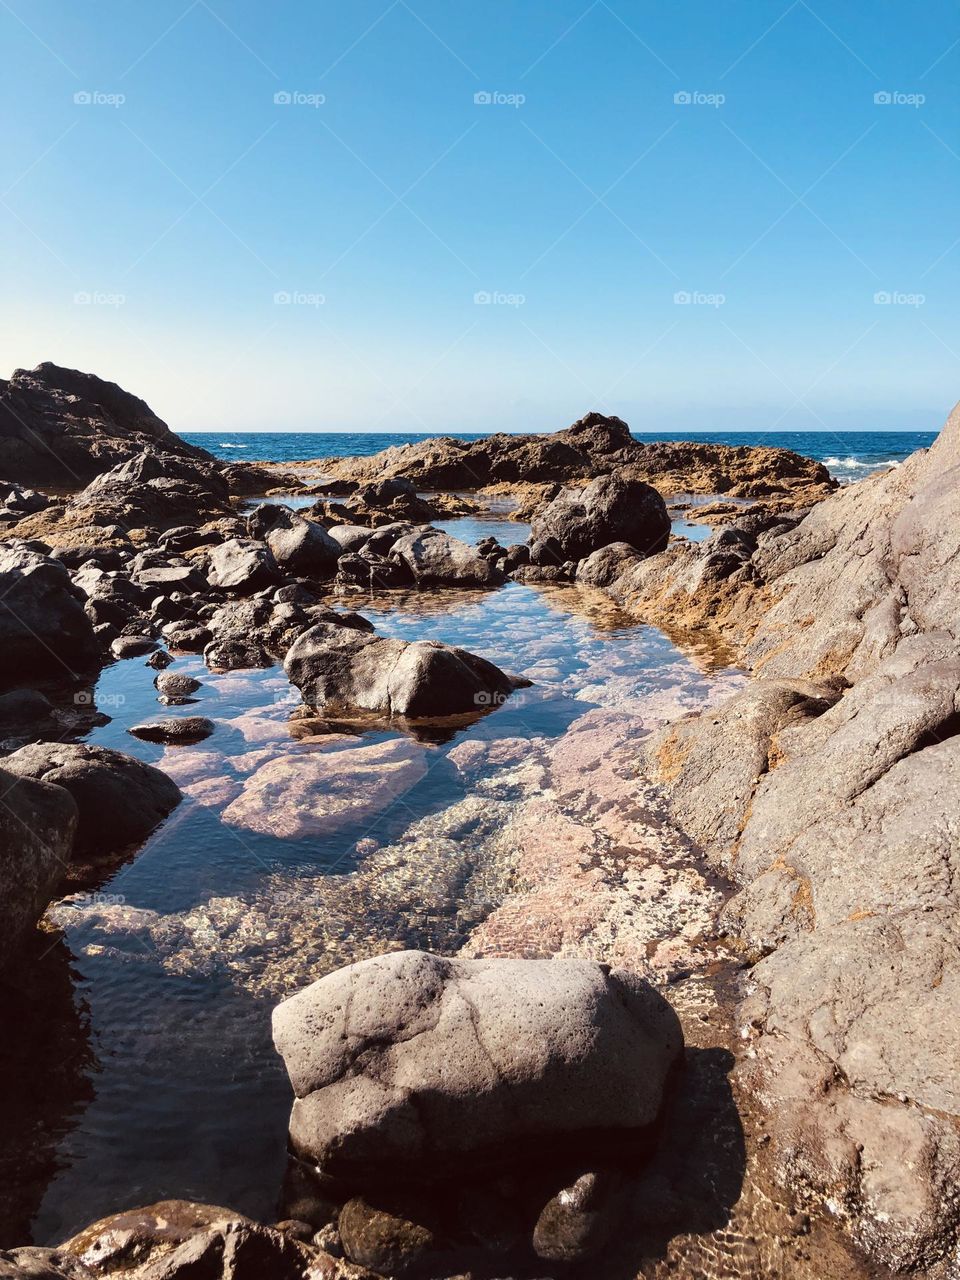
(674, 811)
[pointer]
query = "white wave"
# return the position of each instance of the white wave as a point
(225, 444)
(859, 464)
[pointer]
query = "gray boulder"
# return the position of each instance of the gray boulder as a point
(304, 547)
(37, 824)
(413, 1066)
(343, 671)
(118, 800)
(608, 509)
(242, 566)
(436, 559)
(349, 537)
(43, 628)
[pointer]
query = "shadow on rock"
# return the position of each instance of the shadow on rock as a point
(45, 1078)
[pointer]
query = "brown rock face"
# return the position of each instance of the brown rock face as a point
(595, 445)
(59, 428)
(828, 790)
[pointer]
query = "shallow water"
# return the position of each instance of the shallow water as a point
(178, 956)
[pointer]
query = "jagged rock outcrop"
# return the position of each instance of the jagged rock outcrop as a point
(609, 509)
(827, 791)
(595, 445)
(59, 428)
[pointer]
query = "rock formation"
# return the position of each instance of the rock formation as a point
(547, 1054)
(60, 428)
(595, 445)
(827, 791)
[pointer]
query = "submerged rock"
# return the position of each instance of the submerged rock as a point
(319, 791)
(408, 1065)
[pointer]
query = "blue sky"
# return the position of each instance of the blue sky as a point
(682, 213)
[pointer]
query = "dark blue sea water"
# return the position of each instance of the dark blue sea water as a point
(850, 455)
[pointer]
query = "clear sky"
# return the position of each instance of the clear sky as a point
(320, 261)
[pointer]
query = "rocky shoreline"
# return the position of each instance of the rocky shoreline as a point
(703, 1021)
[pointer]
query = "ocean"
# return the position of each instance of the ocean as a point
(849, 455)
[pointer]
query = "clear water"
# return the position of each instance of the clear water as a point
(174, 961)
(849, 455)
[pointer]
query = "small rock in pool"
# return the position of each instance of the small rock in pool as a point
(159, 659)
(132, 646)
(181, 729)
(174, 684)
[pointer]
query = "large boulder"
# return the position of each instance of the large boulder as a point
(437, 559)
(242, 566)
(44, 631)
(412, 1066)
(608, 509)
(304, 547)
(37, 824)
(342, 671)
(118, 800)
(59, 428)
